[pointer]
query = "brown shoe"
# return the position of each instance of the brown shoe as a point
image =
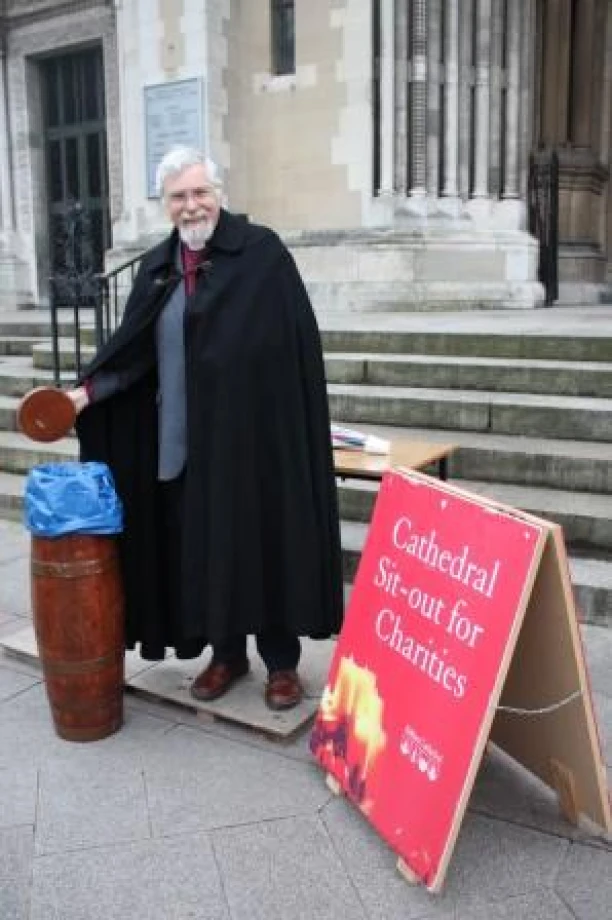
(216, 679)
(284, 690)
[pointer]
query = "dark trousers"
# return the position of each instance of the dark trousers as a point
(279, 651)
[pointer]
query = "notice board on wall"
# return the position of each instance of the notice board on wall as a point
(437, 607)
(173, 116)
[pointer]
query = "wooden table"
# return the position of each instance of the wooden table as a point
(357, 464)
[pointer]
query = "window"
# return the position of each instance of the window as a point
(283, 36)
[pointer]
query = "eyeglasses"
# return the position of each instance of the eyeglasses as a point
(199, 195)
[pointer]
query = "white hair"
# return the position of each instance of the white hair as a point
(179, 158)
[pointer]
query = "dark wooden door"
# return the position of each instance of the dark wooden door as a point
(76, 157)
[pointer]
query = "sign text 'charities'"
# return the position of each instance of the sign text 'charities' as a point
(450, 614)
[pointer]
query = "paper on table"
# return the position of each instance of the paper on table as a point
(350, 439)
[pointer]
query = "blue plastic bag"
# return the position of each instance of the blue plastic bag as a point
(71, 497)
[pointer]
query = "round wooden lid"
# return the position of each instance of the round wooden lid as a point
(46, 414)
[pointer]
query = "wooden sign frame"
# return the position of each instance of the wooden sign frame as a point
(561, 746)
(541, 710)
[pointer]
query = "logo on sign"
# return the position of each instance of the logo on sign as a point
(421, 754)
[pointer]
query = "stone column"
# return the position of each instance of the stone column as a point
(401, 96)
(433, 96)
(6, 191)
(496, 94)
(418, 114)
(387, 87)
(465, 96)
(517, 13)
(529, 97)
(482, 82)
(451, 100)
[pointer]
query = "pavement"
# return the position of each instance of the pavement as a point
(180, 818)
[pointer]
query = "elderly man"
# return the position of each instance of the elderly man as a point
(209, 405)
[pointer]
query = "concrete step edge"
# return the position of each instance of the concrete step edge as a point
(553, 447)
(356, 357)
(422, 394)
(515, 495)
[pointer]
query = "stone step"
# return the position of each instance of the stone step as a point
(517, 375)
(536, 415)
(42, 355)
(586, 518)
(560, 334)
(396, 341)
(8, 419)
(17, 377)
(591, 579)
(587, 379)
(37, 323)
(398, 345)
(538, 462)
(17, 345)
(18, 453)
(583, 466)
(11, 495)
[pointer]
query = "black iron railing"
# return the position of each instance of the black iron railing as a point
(543, 208)
(79, 291)
(115, 287)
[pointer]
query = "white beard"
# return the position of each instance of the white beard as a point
(195, 237)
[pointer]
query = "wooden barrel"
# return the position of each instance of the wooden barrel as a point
(77, 600)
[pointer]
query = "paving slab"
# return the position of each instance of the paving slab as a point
(15, 595)
(194, 784)
(505, 790)
(285, 869)
(9, 623)
(14, 540)
(27, 737)
(538, 905)
(584, 882)
(16, 853)
(114, 802)
(13, 683)
(492, 862)
(157, 880)
(15, 900)
(18, 794)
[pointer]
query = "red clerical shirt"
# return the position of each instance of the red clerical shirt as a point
(192, 258)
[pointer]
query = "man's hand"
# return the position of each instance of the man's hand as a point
(79, 398)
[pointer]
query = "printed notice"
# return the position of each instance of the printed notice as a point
(173, 117)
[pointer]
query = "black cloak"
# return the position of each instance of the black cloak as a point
(260, 545)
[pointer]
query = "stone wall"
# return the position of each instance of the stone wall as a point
(290, 145)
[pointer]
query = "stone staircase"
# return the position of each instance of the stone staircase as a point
(530, 411)
(531, 414)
